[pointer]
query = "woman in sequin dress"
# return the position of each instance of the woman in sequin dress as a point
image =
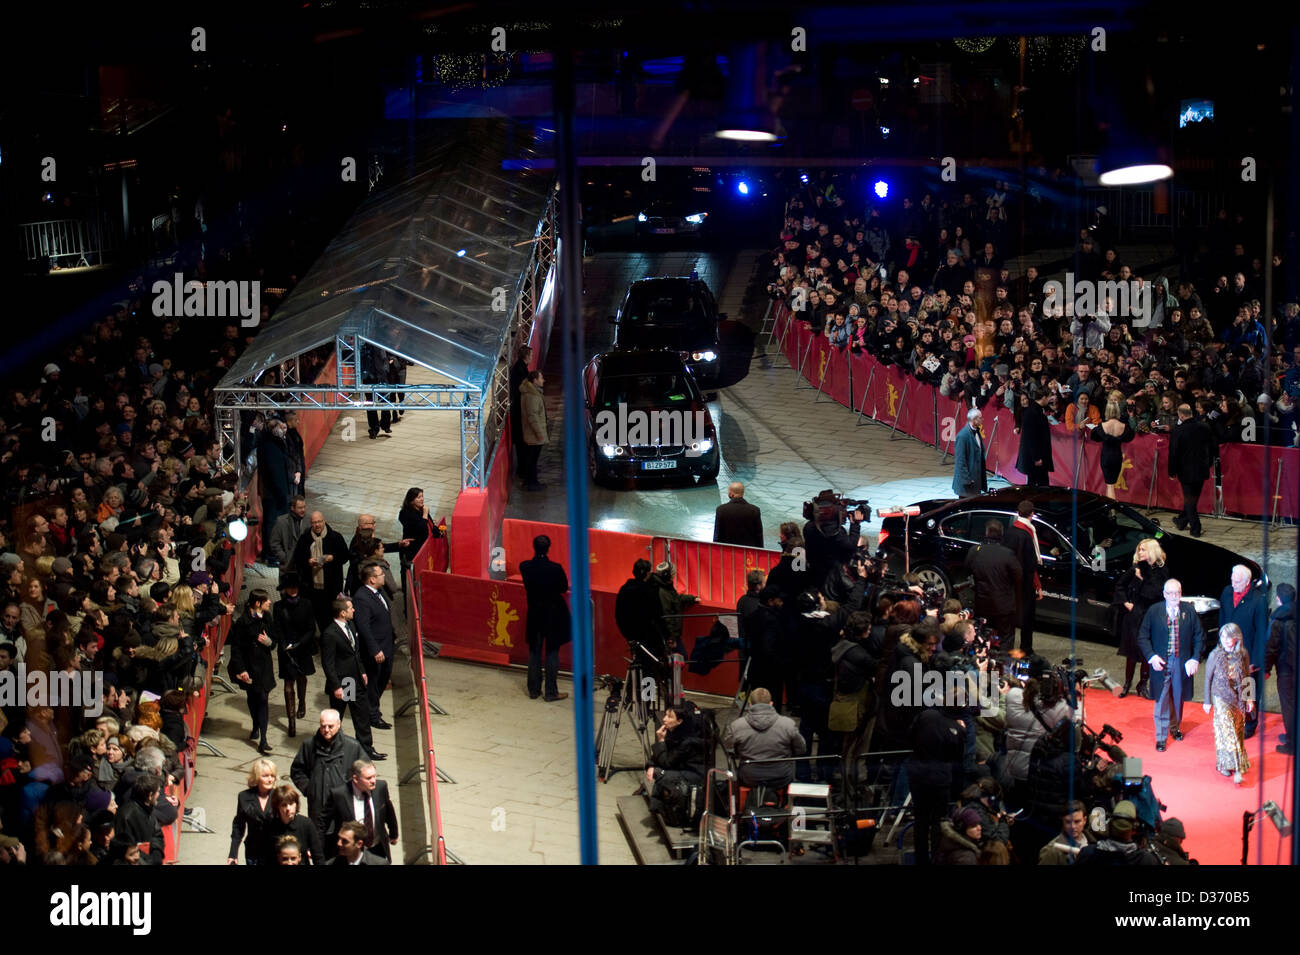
(1228, 684)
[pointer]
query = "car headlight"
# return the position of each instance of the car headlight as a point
(640, 217)
(1202, 604)
(697, 219)
(703, 446)
(612, 450)
(703, 356)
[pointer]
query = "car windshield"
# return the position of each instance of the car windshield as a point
(655, 390)
(666, 308)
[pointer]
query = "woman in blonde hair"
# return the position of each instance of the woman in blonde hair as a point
(1139, 588)
(1113, 432)
(252, 813)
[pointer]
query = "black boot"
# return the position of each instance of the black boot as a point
(302, 697)
(290, 707)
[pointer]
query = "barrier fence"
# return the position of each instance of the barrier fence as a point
(887, 394)
(424, 563)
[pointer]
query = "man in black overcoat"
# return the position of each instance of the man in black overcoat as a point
(547, 624)
(1189, 461)
(1034, 459)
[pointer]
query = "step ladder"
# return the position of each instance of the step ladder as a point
(812, 822)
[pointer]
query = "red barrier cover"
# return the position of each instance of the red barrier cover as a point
(612, 553)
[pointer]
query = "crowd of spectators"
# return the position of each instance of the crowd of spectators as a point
(114, 557)
(901, 285)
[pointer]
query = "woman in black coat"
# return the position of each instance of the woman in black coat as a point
(283, 820)
(679, 753)
(416, 525)
(1141, 587)
(252, 813)
(251, 640)
(296, 621)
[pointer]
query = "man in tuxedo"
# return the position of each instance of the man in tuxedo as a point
(341, 656)
(351, 847)
(738, 521)
(364, 799)
(968, 477)
(1170, 640)
(1022, 540)
(547, 624)
(374, 621)
(1034, 459)
(1189, 462)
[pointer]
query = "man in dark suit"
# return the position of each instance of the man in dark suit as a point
(319, 558)
(342, 659)
(547, 625)
(1189, 462)
(364, 799)
(1022, 540)
(1247, 607)
(999, 580)
(275, 476)
(968, 477)
(375, 371)
(374, 621)
(1170, 640)
(738, 521)
(351, 847)
(518, 374)
(1034, 459)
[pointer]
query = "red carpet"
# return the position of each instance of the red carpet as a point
(1185, 779)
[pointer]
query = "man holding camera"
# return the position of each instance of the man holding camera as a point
(825, 541)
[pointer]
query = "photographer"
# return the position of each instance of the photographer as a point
(1120, 847)
(820, 623)
(825, 541)
(1033, 711)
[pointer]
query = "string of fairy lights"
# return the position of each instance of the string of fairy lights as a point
(1061, 52)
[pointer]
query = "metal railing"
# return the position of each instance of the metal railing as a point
(65, 242)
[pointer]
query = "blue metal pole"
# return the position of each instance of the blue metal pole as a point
(569, 306)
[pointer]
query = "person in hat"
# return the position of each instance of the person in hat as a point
(1120, 847)
(296, 621)
(960, 838)
(674, 604)
(1167, 843)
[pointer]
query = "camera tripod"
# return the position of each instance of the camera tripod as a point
(637, 699)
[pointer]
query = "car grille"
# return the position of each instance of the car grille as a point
(656, 451)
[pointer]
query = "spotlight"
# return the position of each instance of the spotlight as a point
(881, 189)
(1135, 175)
(238, 530)
(742, 187)
(803, 177)
(460, 253)
(1277, 817)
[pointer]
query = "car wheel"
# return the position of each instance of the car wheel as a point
(932, 576)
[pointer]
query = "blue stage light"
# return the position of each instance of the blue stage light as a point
(881, 188)
(742, 187)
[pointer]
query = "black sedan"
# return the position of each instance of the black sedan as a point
(1106, 535)
(647, 419)
(678, 313)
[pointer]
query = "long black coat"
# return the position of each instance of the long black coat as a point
(639, 614)
(321, 766)
(274, 470)
(1018, 541)
(738, 522)
(1142, 594)
(301, 828)
(546, 583)
(998, 580)
(250, 818)
(335, 545)
(248, 654)
(1189, 451)
(1035, 440)
(296, 622)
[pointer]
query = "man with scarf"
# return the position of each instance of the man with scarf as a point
(319, 558)
(1247, 607)
(1022, 540)
(1170, 640)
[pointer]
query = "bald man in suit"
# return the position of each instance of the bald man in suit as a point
(738, 521)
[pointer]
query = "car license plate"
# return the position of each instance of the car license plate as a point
(664, 231)
(665, 464)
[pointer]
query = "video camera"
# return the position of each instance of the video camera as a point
(829, 509)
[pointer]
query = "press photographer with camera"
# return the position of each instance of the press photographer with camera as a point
(826, 543)
(1033, 710)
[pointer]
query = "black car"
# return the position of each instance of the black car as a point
(1107, 536)
(647, 419)
(674, 313)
